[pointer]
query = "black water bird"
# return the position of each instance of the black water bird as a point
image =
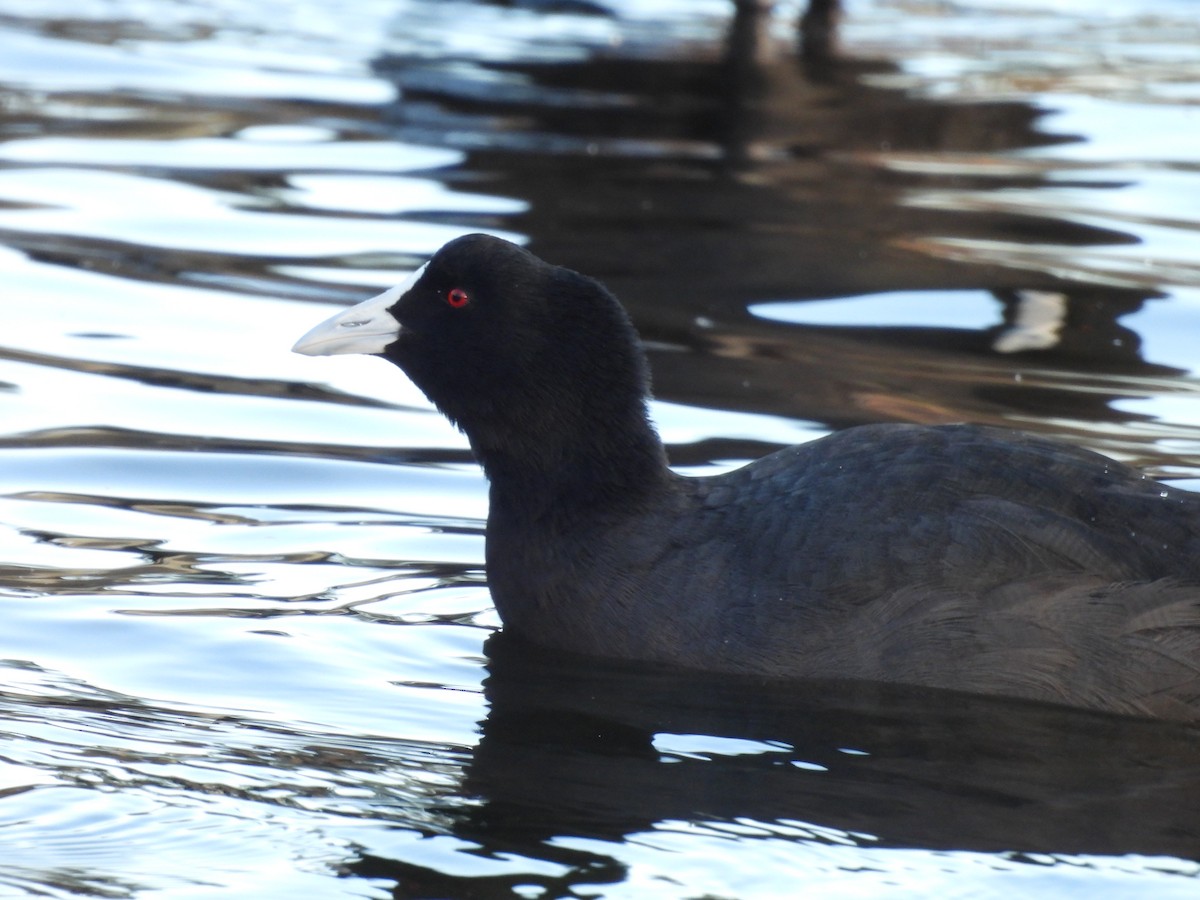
(970, 558)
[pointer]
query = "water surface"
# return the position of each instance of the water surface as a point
(248, 648)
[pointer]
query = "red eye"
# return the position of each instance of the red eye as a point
(458, 298)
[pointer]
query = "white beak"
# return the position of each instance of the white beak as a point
(365, 328)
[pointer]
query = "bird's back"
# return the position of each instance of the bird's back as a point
(957, 557)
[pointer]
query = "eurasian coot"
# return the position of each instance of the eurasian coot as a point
(961, 557)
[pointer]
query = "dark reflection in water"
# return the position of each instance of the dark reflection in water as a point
(575, 747)
(694, 187)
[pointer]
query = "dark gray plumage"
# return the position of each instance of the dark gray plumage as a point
(959, 557)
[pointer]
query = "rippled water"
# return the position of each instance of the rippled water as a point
(248, 648)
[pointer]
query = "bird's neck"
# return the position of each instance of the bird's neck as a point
(573, 463)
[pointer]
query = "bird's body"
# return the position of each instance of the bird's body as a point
(960, 557)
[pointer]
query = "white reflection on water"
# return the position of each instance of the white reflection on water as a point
(256, 149)
(49, 64)
(948, 309)
(88, 203)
